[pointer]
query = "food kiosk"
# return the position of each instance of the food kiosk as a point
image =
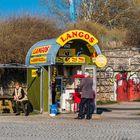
(59, 59)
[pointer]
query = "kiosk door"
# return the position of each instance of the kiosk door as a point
(91, 69)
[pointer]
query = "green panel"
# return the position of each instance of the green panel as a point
(33, 89)
(45, 96)
(60, 60)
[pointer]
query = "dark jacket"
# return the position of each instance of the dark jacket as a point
(86, 86)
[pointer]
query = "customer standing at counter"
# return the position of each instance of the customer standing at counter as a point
(87, 97)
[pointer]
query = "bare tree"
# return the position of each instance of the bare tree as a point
(111, 13)
(17, 35)
(59, 9)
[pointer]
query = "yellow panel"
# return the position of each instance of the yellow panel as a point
(34, 73)
(74, 60)
(41, 50)
(38, 60)
(76, 34)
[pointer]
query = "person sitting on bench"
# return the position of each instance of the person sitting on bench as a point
(20, 99)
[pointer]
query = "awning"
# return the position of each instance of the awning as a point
(42, 53)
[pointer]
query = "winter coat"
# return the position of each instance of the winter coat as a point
(86, 87)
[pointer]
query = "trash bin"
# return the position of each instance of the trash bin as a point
(54, 109)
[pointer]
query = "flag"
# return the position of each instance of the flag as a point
(70, 1)
(72, 10)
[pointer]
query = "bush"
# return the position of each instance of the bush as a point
(17, 35)
(113, 38)
(133, 37)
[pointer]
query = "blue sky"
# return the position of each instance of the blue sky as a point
(22, 7)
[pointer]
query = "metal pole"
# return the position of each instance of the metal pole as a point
(41, 90)
(95, 84)
(49, 88)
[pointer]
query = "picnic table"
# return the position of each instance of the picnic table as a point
(3, 102)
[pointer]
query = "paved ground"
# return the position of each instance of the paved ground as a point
(115, 125)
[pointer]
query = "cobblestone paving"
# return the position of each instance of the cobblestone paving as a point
(66, 128)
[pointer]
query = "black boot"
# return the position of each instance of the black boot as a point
(89, 117)
(79, 118)
(17, 114)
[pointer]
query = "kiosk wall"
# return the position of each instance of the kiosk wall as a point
(39, 97)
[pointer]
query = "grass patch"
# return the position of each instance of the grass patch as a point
(106, 102)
